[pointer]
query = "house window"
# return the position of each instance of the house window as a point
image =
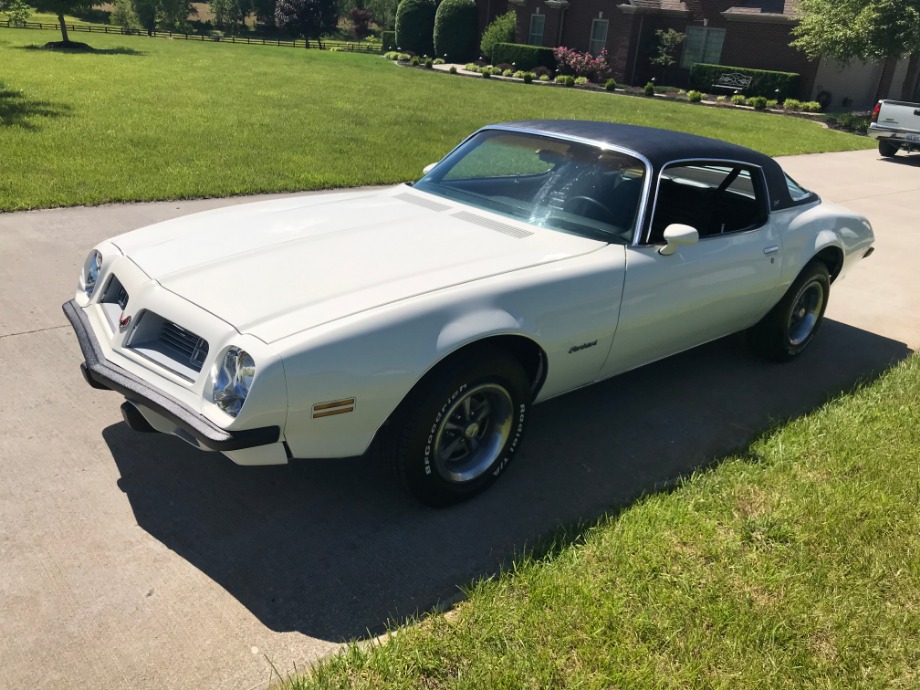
(702, 44)
(598, 36)
(536, 29)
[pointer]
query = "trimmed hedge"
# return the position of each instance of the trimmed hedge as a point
(415, 26)
(523, 56)
(388, 41)
(455, 30)
(765, 83)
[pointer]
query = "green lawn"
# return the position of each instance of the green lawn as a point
(795, 565)
(146, 118)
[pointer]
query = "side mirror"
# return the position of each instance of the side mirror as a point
(428, 168)
(677, 234)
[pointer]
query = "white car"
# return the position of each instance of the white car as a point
(425, 319)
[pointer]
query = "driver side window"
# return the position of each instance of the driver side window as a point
(715, 198)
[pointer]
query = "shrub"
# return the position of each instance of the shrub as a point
(580, 81)
(541, 70)
(471, 67)
(503, 66)
(439, 61)
(572, 62)
(738, 99)
(507, 73)
(486, 73)
(452, 70)
(428, 63)
(388, 41)
(792, 104)
(518, 75)
(455, 29)
(610, 84)
(694, 96)
(501, 30)
(649, 89)
(414, 61)
(772, 103)
(544, 77)
(569, 80)
(392, 55)
(528, 77)
(851, 122)
(811, 107)
(525, 57)
(415, 25)
(722, 100)
(766, 83)
(560, 79)
(758, 102)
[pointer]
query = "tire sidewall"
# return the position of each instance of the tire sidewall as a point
(415, 457)
(817, 276)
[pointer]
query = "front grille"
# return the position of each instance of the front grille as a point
(169, 344)
(186, 345)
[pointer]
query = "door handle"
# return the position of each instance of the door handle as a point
(770, 250)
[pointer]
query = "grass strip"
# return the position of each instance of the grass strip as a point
(150, 118)
(794, 566)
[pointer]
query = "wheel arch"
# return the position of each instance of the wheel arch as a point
(832, 257)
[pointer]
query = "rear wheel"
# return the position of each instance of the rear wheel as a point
(460, 428)
(789, 327)
(887, 149)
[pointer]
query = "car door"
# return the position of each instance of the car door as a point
(722, 283)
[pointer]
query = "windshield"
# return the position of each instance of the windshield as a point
(553, 183)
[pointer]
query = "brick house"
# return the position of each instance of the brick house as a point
(740, 33)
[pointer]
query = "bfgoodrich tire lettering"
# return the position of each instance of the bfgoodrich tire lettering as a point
(459, 431)
(790, 326)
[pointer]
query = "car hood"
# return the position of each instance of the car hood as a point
(275, 268)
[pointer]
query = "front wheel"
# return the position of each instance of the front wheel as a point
(457, 433)
(789, 327)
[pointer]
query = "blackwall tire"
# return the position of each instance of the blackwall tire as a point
(785, 332)
(460, 429)
(886, 148)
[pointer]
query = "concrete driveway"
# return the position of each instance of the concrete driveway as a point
(131, 560)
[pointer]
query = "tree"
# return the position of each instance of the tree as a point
(62, 7)
(882, 30)
(361, 22)
(455, 33)
(667, 43)
(231, 15)
(310, 19)
(415, 26)
(502, 30)
(17, 11)
(384, 12)
(264, 10)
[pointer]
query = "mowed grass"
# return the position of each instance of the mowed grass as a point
(151, 118)
(795, 565)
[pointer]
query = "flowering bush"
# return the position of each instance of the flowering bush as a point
(572, 63)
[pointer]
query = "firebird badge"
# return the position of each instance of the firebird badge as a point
(123, 321)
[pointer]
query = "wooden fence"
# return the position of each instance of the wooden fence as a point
(343, 46)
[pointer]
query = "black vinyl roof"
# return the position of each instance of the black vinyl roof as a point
(662, 146)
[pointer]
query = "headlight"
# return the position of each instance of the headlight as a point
(91, 268)
(232, 380)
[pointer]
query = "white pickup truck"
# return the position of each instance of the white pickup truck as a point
(896, 125)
